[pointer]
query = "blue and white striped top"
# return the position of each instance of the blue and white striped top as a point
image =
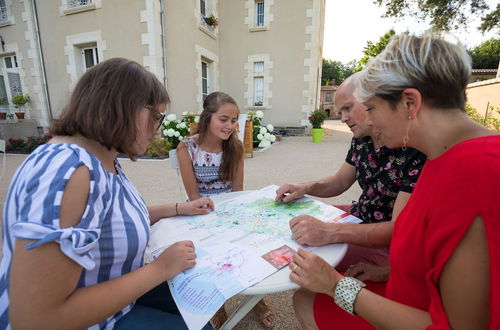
(108, 242)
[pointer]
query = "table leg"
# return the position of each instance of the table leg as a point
(245, 306)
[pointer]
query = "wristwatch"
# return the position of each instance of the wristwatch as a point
(345, 293)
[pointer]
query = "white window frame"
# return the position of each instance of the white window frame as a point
(258, 95)
(258, 91)
(259, 13)
(95, 57)
(207, 79)
(210, 9)
(69, 7)
(258, 66)
(204, 11)
(5, 76)
(212, 60)
(5, 13)
(73, 50)
(15, 70)
(78, 3)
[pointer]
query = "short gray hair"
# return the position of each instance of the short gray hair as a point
(437, 68)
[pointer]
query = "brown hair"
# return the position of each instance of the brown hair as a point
(232, 148)
(105, 103)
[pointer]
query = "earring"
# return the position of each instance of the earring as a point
(406, 138)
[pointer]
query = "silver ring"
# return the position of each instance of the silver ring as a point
(294, 268)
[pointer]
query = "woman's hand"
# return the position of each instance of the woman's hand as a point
(367, 272)
(203, 205)
(313, 273)
(176, 258)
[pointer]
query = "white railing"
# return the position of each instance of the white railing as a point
(78, 3)
(4, 15)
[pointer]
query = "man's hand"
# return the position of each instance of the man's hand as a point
(308, 230)
(367, 272)
(289, 192)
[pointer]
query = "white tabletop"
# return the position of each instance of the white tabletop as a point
(279, 281)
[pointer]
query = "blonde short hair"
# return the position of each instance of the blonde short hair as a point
(439, 69)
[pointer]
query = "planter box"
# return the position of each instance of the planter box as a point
(20, 115)
(3, 115)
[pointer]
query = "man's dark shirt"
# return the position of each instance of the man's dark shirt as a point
(382, 173)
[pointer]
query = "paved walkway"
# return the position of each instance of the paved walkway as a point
(294, 159)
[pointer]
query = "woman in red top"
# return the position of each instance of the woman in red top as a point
(445, 250)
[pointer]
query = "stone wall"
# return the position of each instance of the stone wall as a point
(19, 129)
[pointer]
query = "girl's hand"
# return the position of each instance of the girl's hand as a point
(367, 272)
(313, 273)
(203, 205)
(176, 258)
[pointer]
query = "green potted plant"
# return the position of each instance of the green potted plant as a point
(19, 101)
(316, 119)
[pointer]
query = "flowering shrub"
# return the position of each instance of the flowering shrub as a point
(317, 118)
(158, 148)
(28, 145)
(175, 130)
(261, 134)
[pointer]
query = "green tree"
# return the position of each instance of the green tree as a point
(335, 72)
(373, 49)
(444, 14)
(486, 55)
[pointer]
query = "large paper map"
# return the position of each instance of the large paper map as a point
(244, 240)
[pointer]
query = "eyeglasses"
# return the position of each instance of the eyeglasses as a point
(158, 116)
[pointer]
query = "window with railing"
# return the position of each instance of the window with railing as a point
(78, 3)
(4, 14)
(259, 13)
(258, 84)
(258, 91)
(10, 80)
(207, 18)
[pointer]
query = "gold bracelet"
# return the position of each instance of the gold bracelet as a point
(176, 210)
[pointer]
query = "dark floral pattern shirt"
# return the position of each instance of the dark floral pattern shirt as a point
(382, 173)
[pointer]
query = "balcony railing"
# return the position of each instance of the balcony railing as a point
(4, 15)
(203, 22)
(78, 3)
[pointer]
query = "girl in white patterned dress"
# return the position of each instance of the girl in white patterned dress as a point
(211, 163)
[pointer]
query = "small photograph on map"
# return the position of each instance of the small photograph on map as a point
(279, 257)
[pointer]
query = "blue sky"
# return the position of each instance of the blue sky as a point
(350, 24)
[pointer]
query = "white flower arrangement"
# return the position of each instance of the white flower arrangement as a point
(175, 130)
(262, 134)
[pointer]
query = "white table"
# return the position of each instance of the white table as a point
(277, 282)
